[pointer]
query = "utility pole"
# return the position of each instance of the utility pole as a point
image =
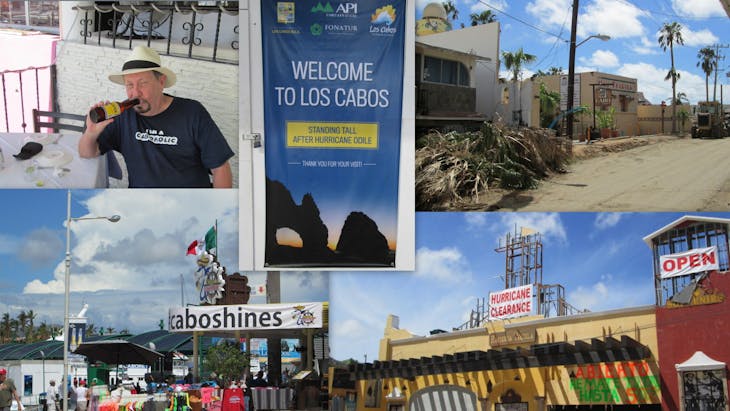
(718, 57)
(571, 72)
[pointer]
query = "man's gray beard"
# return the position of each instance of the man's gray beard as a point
(141, 109)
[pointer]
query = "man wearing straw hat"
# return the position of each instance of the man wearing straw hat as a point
(166, 141)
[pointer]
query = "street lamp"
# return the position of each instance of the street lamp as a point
(43, 359)
(571, 68)
(67, 288)
(603, 37)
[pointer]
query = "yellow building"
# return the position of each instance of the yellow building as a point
(530, 363)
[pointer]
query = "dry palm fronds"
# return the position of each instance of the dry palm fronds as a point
(454, 166)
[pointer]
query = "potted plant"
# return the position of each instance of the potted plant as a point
(604, 120)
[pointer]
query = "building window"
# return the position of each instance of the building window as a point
(624, 103)
(25, 14)
(703, 390)
(437, 70)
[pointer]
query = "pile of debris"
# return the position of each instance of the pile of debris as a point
(453, 167)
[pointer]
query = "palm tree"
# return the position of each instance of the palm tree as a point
(708, 64)
(5, 327)
(670, 34)
(552, 71)
(513, 61)
(22, 323)
(484, 17)
(30, 318)
(451, 11)
(90, 329)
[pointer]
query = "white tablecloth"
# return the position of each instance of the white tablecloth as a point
(79, 173)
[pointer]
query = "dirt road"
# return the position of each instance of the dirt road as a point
(675, 174)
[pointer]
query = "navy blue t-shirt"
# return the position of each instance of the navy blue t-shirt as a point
(176, 148)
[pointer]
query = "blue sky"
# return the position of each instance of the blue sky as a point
(600, 259)
(128, 272)
(542, 28)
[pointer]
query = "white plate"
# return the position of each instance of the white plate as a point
(53, 158)
(41, 138)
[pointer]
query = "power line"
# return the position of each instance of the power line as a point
(521, 21)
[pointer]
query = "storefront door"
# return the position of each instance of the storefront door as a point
(443, 397)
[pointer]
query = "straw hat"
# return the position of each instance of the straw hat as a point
(143, 59)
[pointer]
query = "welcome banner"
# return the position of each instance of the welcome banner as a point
(333, 92)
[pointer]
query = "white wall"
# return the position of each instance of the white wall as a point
(53, 370)
(482, 41)
(82, 81)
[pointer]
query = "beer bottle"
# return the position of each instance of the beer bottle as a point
(113, 109)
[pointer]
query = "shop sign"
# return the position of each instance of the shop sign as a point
(630, 382)
(512, 337)
(688, 262)
(245, 317)
(700, 296)
(512, 302)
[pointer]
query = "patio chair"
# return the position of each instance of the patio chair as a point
(113, 167)
(54, 123)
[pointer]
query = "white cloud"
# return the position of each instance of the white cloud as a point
(475, 221)
(550, 13)
(651, 82)
(444, 264)
(601, 60)
(698, 8)
(146, 248)
(645, 47)
(9, 244)
(607, 294)
(615, 18)
(478, 6)
(700, 38)
(607, 220)
(41, 247)
(547, 224)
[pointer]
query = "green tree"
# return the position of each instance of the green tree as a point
(484, 17)
(683, 117)
(5, 328)
(549, 102)
(227, 361)
(681, 99)
(669, 35)
(451, 11)
(513, 61)
(708, 63)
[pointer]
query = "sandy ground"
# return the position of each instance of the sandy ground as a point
(648, 173)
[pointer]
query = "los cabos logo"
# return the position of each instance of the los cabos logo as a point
(382, 20)
(302, 315)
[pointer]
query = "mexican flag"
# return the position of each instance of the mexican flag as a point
(207, 243)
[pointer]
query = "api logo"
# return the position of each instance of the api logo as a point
(382, 20)
(342, 10)
(315, 29)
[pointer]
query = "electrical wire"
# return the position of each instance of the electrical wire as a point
(532, 26)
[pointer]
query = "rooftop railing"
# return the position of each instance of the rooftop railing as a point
(206, 30)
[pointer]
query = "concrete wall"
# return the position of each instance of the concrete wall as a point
(649, 119)
(482, 41)
(82, 81)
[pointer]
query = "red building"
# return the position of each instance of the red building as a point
(693, 314)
